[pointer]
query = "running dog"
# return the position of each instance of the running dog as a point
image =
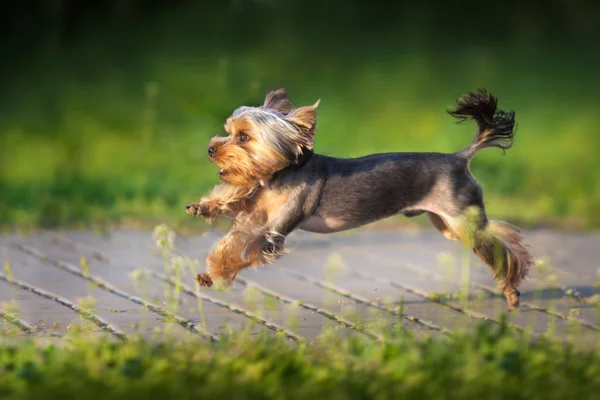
(273, 183)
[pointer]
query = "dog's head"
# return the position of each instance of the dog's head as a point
(263, 140)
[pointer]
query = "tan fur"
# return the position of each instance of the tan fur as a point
(441, 226)
(247, 166)
(498, 244)
(278, 100)
(317, 223)
(224, 200)
(225, 261)
(306, 119)
(262, 141)
(247, 243)
(270, 202)
(247, 163)
(518, 257)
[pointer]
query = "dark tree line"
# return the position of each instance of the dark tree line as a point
(67, 18)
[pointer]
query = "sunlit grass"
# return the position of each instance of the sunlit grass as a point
(98, 134)
(488, 363)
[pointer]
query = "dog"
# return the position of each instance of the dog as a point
(273, 183)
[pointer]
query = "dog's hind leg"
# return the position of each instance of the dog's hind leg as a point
(236, 251)
(441, 226)
(247, 244)
(224, 262)
(499, 244)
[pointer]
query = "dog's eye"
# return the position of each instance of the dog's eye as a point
(242, 137)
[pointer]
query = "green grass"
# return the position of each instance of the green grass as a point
(115, 128)
(488, 364)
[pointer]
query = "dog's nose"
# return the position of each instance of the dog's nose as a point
(211, 151)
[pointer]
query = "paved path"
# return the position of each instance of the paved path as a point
(55, 284)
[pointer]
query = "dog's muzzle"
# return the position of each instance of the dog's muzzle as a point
(211, 151)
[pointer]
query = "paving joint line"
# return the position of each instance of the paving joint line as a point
(527, 305)
(423, 272)
(232, 307)
(345, 293)
(433, 275)
(186, 323)
(213, 300)
(544, 310)
(98, 321)
(464, 311)
(19, 323)
(311, 307)
(323, 312)
(341, 320)
(426, 273)
(72, 245)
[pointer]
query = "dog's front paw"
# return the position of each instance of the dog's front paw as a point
(199, 209)
(204, 280)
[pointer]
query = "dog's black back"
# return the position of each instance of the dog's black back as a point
(357, 191)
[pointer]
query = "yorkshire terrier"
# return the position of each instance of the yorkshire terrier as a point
(274, 183)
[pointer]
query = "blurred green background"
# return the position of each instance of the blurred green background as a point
(107, 108)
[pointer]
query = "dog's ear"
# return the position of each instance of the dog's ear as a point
(305, 118)
(278, 100)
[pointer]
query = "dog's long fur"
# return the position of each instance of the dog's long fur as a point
(274, 184)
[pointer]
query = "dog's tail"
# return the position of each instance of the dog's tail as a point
(495, 127)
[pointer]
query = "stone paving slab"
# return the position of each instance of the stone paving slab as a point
(146, 288)
(538, 291)
(359, 283)
(306, 323)
(47, 317)
(123, 315)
